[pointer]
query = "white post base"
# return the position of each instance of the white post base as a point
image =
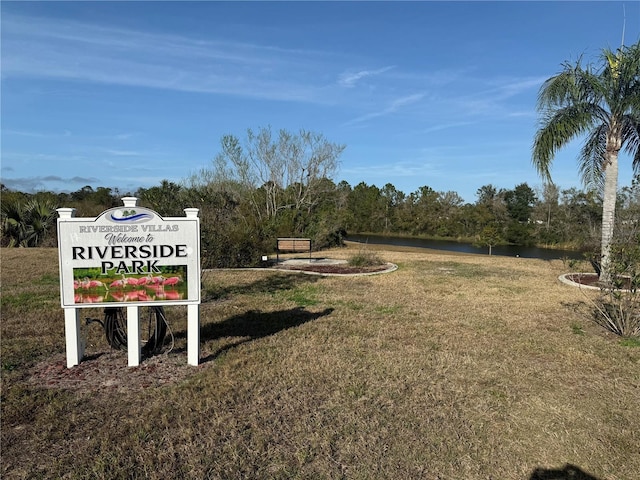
(193, 334)
(74, 343)
(133, 336)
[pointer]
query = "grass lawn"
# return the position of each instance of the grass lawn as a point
(452, 367)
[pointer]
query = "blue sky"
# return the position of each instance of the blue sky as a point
(442, 94)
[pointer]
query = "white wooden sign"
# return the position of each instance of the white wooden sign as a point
(129, 257)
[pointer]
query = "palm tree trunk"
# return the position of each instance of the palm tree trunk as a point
(608, 213)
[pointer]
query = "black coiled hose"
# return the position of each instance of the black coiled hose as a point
(115, 328)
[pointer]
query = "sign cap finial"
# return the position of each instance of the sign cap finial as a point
(130, 201)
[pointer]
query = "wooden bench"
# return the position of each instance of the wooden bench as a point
(293, 245)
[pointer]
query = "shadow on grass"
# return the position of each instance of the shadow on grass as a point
(270, 284)
(569, 472)
(253, 325)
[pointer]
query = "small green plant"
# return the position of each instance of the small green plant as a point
(388, 309)
(577, 329)
(618, 307)
(304, 296)
(365, 258)
(630, 342)
(572, 263)
(8, 366)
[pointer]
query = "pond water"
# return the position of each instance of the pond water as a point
(504, 250)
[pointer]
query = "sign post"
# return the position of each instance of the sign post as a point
(129, 257)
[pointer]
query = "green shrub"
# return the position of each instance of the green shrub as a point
(618, 307)
(365, 258)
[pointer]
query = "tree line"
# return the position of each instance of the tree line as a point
(240, 218)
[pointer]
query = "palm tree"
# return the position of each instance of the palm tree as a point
(25, 223)
(602, 103)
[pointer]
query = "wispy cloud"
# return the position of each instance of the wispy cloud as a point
(498, 98)
(511, 87)
(396, 169)
(36, 47)
(65, 134)
(446, 126)
(38, 158)
(48, 182)
(34, 134)
(523, 114)
(123, 136)
(349, 79)
(124, 153)
(392, 107)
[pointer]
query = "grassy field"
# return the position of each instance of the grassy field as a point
(451, 367)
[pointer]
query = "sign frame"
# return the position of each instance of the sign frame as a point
(129, 257)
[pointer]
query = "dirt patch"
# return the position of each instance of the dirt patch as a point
(109, 371)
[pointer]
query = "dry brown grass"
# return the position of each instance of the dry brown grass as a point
(451, 367)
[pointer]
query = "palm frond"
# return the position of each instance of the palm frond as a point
(573, 85)
(557, 91)
(581, 98)
(621, 79)
(558, 129)
(631, 139)
(591, 158)
(589, 87)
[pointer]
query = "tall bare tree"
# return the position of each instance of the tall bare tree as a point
(279, 172)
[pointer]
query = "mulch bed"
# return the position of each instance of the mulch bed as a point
(586, 279)
(592, 280)
(340, 269)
